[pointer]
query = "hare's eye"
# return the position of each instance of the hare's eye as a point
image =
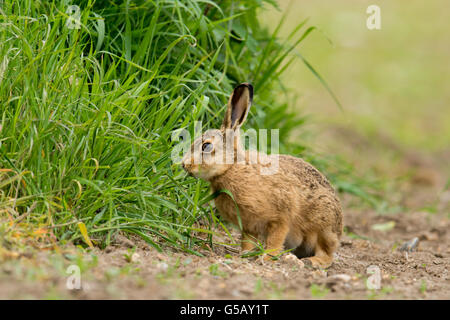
(207, 147)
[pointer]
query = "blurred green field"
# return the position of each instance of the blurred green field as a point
(392, 83)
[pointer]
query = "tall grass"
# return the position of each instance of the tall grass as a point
(86, 115)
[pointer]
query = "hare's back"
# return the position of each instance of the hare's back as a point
(304, 173)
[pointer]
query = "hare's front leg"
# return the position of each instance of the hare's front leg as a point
(248, 241)
(277, 232)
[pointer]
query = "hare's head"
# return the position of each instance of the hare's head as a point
(216, 150)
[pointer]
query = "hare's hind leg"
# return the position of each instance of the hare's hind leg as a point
(327, 243)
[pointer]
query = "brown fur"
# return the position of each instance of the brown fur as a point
(294, 208)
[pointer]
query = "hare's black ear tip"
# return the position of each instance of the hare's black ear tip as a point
(246, 84)
(249, 87)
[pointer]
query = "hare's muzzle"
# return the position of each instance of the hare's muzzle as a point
(186, 168)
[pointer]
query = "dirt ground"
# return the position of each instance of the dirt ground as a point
(131, 269)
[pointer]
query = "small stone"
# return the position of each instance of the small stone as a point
(109, 249)
(340, 277)
(135, 257)
(337, 279)
(410, 245)
(292, 260)
(162, 266)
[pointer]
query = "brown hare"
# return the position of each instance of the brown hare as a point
(295, 207)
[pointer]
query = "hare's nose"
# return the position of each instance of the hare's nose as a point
(183, 165)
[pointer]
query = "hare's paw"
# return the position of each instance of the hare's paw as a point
(316, 262)
(269, 258)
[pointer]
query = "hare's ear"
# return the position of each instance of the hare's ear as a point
(238, 106)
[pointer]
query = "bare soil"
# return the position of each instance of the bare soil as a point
(121, 272)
